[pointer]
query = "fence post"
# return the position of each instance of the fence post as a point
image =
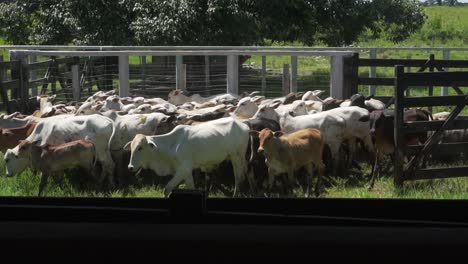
(233, 74)
(446, 56)
(286, 79)
(373, 69)
(294, 74)
(408, 69)
(431, 69)
(75, 68)
(179, 62)
(3, 91)
(400, 86)
(207, 75)
(143, 72)
(33, 59)
(181, 81)
(336, 77)
(350, 75)
(124, 83)
(22, 73)
(263, 75)
(2, 70)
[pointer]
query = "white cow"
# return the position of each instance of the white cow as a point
(246, 107)
(112, 103)
(52, 131)
(179, 97)
(187, 148)
(297, 107)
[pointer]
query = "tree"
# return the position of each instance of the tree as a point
(206, 22)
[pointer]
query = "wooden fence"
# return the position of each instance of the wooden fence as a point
(431, 65)
(412, 170)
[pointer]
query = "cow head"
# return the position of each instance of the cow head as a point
(139, 148)
(358, 100)
(266, 112)
(17, 159)
(246, 108)
(267, 138)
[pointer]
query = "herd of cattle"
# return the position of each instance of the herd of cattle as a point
(267, 141)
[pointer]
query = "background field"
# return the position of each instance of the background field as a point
(445, 27)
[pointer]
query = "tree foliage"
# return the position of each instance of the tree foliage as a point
(206, 22)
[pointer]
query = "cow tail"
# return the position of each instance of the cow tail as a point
(94, 156)
(109, 144)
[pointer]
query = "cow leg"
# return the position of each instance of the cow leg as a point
(335, 154)
(44, 177)
(351, 151)
(271, 179)
(178, 177)
(290, 183)
(310, 171)
(318, 185)
(374, 170)
(240, 168)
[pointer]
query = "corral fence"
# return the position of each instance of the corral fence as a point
(412, 170)
(430, 65)
(75, 72)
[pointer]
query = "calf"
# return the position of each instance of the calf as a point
(286, 153)
(51, 158)
(382, 133)
(10, 137)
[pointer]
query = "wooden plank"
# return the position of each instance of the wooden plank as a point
(425, 174)
(400, 86)
(11, 84)
(384, 99)
(435, 137)
(40, 80)
(39, 65)
(437, 78)
(377, 81)
(419, 101)
(412, 63)
(443, 148)
(391, 62)
(423, 126)
(11, 64)
(373, 70)
(67, 60)
(446, 56)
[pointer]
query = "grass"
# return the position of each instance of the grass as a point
(351, 186)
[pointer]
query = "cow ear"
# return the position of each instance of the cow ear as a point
(278, 133)
(253, 133)
(275, 105)
(52, 98)
(127, 146)
(152, 145)
(176, 92)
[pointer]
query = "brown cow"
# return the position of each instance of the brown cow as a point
(286, 153)
(382, 133)
(10, 137)
(55, 158)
